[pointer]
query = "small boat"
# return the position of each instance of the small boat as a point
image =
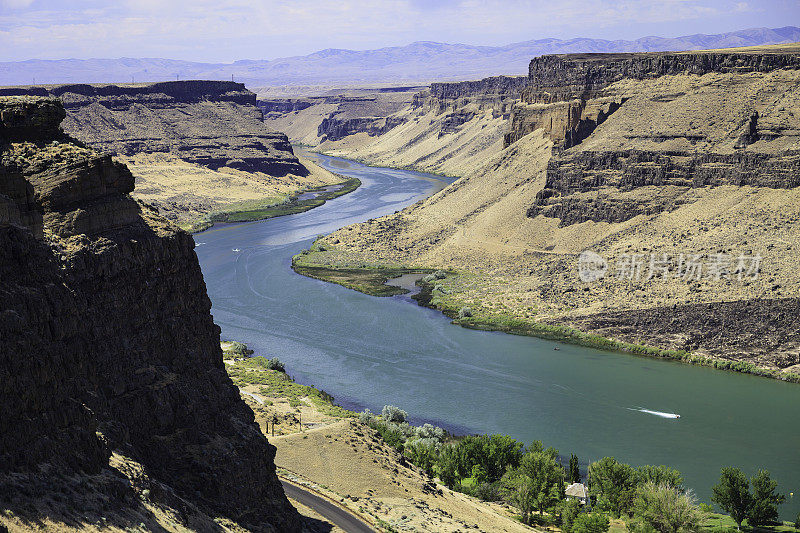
(236, 250)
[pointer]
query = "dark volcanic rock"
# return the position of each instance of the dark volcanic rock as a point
(554, 78)
(675, 173)
(725, 330)
(211, 123)
(108, 341)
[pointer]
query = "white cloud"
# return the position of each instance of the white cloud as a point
(15, 4)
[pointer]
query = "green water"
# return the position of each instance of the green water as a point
(370, 351)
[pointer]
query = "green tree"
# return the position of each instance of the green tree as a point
(518, 490)
(590, 523)
(574, 469)
(547, 479)
(766, 499)
(493, 453)
(447, 465)
(569, 511)
(663, 508)
(659, 475)
(732, 494)
(536, 484)
(423, 453)
(613, 484)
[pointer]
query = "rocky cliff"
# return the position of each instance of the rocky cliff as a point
(754, 142)
(212, 123)
(109, 347)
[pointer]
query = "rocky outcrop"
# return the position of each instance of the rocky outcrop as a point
(668, 175)
(108, 340)
(564, 93)
(496, 85)
(333, 128)
(211, 123)
(554, 78)
(497, 93)
(734, 331)
(676, 133)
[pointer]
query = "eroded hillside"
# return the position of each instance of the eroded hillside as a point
(195, 147)
(631, 156)
(117, 412)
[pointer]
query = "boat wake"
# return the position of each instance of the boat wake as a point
(656, 413)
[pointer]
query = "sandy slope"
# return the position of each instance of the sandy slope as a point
(337, 455)
(184, 192)
(350, 462)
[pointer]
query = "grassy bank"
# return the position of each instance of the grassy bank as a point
(499, 321)
(271, 381)
(370, 281)
(436, 295)
(271, 207)
(366, 279)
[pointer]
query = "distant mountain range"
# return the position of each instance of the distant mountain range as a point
(419, 62)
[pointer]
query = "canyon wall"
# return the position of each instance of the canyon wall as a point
(641, 158)
(109, 345)
(751, 142)
(211, 123)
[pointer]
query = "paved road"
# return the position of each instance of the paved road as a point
(332, 512)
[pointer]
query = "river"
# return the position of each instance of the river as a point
(368, 352)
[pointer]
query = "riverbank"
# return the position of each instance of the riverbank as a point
(294, 203)
(455, 294)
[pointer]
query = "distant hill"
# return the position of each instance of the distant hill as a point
(416, 62)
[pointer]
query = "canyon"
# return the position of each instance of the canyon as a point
(631, 156)
(195, 148)
(117, 409)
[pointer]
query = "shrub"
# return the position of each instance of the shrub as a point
(590, 523)
(366, 417)
(239, 349)
(276, 364)
(659, 475)
(430, 278)
(464, 312)
(665, 509)
(391, 413)
(440, 274)
(429, 431)
(489, 492)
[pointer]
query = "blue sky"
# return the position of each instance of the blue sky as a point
(227, 30)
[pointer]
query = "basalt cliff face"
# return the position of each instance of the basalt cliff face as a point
(316, 119)
(688, 121)
(211, 123)
(110, 355)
